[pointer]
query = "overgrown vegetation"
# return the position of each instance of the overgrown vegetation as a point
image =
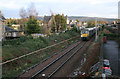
(112, 34)
(27, 45)
(60, 22)
(17, 47)
(91, 23)
(33, 26)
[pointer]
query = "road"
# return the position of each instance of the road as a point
(111, 52)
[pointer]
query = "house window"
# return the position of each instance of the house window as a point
(14, 34)
(9, 34)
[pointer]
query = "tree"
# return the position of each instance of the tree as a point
(91, 23)
(103, 26)
(53, 28)
(63, 22)
(77, 20)
(58, 21)
(8, 24)
(15, 22)
(33, 26)
(23, 13)
(30, 11)
(27, 13)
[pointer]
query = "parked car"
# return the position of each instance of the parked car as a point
(106, 63)
(107, 71)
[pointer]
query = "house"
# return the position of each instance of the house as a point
(68, 27)
(2, 26)
(49, 23)
(71, 22)
(16, 26)
(67, 20)
(78, 25)
(85, 24)
(12, 33)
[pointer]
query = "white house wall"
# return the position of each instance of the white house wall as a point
(2, 30)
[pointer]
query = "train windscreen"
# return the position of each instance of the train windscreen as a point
(84, 32)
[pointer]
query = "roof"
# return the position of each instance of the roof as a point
(9, 29)
(47, 18)
(2, 17)
(90, 28)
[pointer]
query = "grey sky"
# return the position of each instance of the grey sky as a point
(92, 8)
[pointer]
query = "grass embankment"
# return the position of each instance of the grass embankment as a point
(91, 58)
(17, 47)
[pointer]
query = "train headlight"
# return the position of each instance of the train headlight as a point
(81, 36)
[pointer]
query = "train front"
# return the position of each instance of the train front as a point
(84, 34)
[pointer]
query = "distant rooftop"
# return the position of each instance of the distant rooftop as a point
(47, 18)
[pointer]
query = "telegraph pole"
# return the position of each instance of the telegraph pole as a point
(119, 19)
(96, 29)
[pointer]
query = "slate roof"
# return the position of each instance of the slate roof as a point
(47, 18)
(9, 29)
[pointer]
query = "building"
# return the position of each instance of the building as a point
(2, 26)
(16, 26)
(78, 25)
(67, 20)
(68, 27)
(12, 33)
(49, 23)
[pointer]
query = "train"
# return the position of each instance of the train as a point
(87, 33)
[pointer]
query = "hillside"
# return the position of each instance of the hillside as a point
(82, 18)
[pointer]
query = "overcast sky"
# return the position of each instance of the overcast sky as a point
(91, 8)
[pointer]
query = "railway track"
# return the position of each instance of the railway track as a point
(50, 69)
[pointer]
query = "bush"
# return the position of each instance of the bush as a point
(24, 45)
(111, 35)
(16, 41)
(74, 29)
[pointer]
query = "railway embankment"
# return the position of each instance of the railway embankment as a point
(90, 66)
(86, 69)
(26, 53)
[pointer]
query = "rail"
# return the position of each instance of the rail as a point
(40, 71)
(65, 62)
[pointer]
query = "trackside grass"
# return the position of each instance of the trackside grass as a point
(17, 47)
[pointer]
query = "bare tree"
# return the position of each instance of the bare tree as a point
(23, 13)
(32, 10)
